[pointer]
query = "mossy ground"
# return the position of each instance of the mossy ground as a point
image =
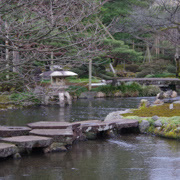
(169, 118)
(161, 111)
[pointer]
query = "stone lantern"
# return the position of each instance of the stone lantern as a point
(58, 77)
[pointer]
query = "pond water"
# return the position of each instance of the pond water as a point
(81, 109)
(127, 157)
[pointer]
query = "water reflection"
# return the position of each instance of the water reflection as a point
(80, 110)
(127, 157)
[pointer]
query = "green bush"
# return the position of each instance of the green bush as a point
(163, 75)
(22, 97)
(107, 89)
(129, 89)
(150, 90)
(142, 74)
(171, 68)
(76, 90)
(132, 68)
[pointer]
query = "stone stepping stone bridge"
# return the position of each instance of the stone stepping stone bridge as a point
(53, 136)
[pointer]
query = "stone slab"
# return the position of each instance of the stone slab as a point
(7, 150)
(97, 126)
(58, 135)
(29, 141)
(127, 123)
(53, 125)
(9, 131)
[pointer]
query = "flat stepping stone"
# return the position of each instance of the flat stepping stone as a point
(7, 150)
(9, 131)
(29, 141)
(127, 123)
(97, 126)
(58, 135)
(53, 125)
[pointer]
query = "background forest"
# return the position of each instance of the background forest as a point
(139, 38)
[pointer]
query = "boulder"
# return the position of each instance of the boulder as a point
(160, 95)
(168, 94)
(7, 149)
(155, 118)
(118, 94)
(144, 103)
(171, 106)
(176, 102)
(100, 95)
(116, 115)
(174, 94)
(158, 102)
(158, 123)
(143, 126)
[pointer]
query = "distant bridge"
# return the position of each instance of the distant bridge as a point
(171, 83)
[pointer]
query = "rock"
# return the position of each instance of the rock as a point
(174, 94)
(144, 103)
(127, 123)
(158, 123)
(100, 95)
(53, 125)
(116, 115)
(158, 102)
(92, 126)
(59, 135)
(168, 94)
(171, 106)
(160, 95)
(143, 126)
(157, 128)
(176, 102)
(118, 94)
(155, 118)
(7, 150)
(17, 156)
(177, 130)
(9, 131)
(29, 142)
(57, 147)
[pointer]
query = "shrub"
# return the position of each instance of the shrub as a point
(132, 68)
(142, 74)
(163, 75)
(76, 90)
(150, 90)
(22, 97)
(108, 89)
(171, 68)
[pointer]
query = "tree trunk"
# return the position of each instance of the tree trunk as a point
(177, 60)
(16, 60)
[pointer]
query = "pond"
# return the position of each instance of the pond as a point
(125, 157)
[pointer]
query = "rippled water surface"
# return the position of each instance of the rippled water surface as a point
(127, 157)
(80, 110)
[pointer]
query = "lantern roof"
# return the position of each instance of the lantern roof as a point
(63, 73)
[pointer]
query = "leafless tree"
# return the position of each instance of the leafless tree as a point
(47, 32)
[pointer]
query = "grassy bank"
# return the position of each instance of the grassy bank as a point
(170, 119)
(123, 90)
